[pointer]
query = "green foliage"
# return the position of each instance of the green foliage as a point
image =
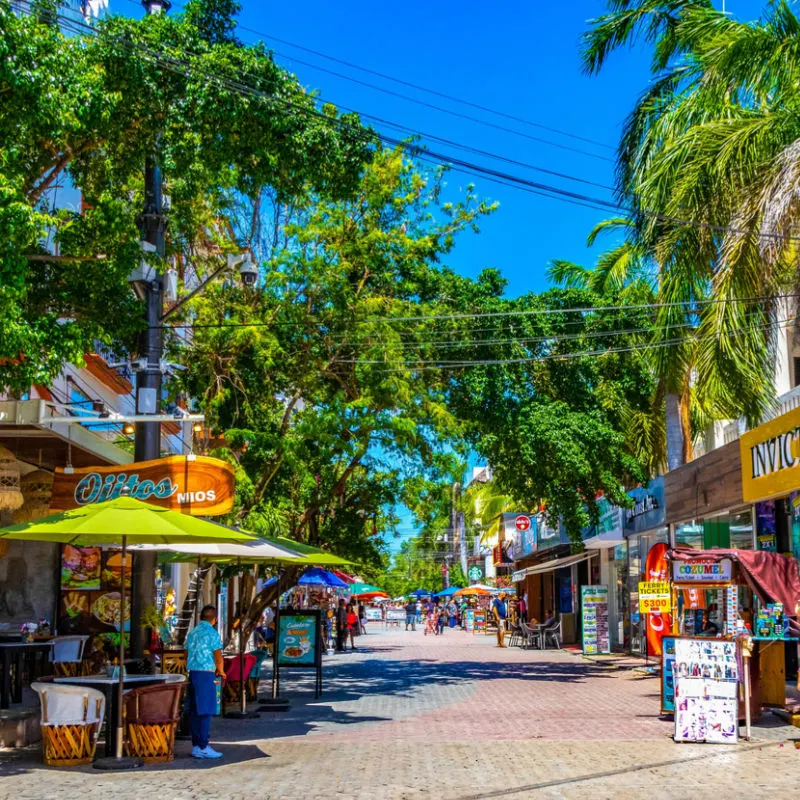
(85, 110)
(311, 375)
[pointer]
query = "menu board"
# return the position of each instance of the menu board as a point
(479, 620)
(469, 620)
(594, 614)
(706, 675)
(298, 639)
(90, 598)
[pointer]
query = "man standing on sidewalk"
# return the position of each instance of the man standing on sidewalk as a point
(411, 614)
(204, 663)
(500, 612)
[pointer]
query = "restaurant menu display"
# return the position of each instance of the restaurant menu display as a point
(298, 639)
(469, 620)
(90, 602)
(706, 677)
(594, 615)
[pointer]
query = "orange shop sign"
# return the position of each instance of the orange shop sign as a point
(199, 486)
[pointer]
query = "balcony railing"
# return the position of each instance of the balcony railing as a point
(785, 403)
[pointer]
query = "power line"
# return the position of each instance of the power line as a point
(690, 306)
(426, 90)
(472, 169)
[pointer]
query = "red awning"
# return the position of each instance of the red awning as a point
(343, 576)
(772, 576)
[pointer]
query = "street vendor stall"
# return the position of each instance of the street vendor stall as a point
(746, 598)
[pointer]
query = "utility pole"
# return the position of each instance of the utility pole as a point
(147, 441)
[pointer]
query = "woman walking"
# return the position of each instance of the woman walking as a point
(352, 624)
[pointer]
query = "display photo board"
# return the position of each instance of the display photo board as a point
(706, 677)
(594, 616)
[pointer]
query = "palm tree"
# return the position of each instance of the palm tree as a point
(709, 165)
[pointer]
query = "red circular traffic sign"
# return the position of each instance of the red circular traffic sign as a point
(522, 523)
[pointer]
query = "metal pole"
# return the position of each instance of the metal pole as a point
(147, 442)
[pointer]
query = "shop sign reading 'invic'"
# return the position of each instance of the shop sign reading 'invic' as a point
(770, 457)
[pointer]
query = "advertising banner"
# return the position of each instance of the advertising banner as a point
(655, 597)
(594, 615)
(659, 623)
(298, 640)
(199, 486)
(693, 572)
(479, 620)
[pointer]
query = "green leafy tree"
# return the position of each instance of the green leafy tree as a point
(83, 108)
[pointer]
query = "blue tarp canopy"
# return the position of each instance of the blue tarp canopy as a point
(447, 592)
(420, 593)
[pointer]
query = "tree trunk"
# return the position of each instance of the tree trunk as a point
(675, 431)
(268, 595)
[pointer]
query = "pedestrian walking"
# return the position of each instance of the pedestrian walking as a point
(362, 618)
(341, 626)
(411, 614)
(452, 613)
(441, 618)
(500, 612)
(522, 608)
(352, 624)
(204, 663)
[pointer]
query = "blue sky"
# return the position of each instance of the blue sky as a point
(521, 58)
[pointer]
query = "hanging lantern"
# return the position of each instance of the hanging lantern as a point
(37, 488)
(10, 494)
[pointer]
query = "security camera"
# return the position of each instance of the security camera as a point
(248, 271)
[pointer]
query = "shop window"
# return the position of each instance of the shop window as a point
(716, 533)
(689, 535)
(741, 528)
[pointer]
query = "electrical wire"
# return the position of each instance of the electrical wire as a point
(185, 68)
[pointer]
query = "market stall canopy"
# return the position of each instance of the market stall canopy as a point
(364, 590)
(420, 593)
(448, 592)
(772, 576)
(314, 555)
(344, 576)
(321, 577)
(124, 517)
(477, 589)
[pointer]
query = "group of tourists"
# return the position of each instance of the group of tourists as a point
(350, 620)
(436, 614)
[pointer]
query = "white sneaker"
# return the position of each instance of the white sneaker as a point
(197, 752)
(210, 752)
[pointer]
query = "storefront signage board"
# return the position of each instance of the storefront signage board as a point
(199, 486)
(594, 614)
(694, 572)
(479, 620)
(655, 597)
(299, 643)
(771, 458)
(667, 676)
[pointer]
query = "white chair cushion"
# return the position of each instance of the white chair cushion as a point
(64, 705)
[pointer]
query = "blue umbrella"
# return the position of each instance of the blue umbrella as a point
(447, 592)
(321, 577)
(419, 593)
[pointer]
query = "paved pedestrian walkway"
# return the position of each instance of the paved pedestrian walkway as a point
(445, 718)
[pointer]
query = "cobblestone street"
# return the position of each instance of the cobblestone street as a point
(448, 718)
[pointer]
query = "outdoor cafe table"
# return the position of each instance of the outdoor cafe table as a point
(109, 688)
(15, 653)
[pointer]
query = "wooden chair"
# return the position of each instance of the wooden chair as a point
(173, 662)
(66, 653)
(151, 715)
(71, 720)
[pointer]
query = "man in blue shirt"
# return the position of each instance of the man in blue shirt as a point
(204, 662)
(500, 612)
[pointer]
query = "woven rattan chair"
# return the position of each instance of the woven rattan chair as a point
(174, 662)
(151, 716)
(71, 719)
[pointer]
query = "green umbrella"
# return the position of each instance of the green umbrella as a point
(313, 555)
(356, 589)
(121, 521)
